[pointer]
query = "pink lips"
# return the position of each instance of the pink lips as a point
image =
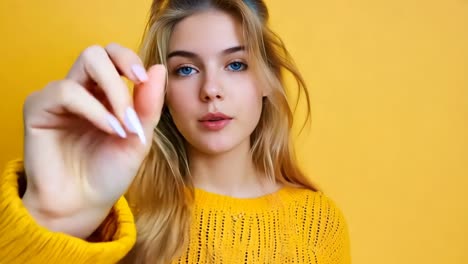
(215, 121)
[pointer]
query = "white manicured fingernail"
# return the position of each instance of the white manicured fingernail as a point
(140, 72)
(134, 125)
(115, 125)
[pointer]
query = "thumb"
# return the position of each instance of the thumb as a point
(148, 97)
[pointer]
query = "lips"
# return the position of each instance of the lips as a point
(215, 117)
(215, 121)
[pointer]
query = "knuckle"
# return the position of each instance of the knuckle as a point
(29, 101)
(113, 46)
(121, 54)
(65, 91)
(92, 52)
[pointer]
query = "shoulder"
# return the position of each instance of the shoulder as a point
(319, 215)
(316, 203)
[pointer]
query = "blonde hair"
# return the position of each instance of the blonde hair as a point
(162, 193)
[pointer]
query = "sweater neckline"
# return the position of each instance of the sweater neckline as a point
(280, 197)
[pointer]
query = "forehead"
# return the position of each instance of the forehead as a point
(207, 31)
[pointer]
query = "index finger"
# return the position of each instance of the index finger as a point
(126, 62)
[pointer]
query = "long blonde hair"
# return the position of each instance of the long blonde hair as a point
(162, 193)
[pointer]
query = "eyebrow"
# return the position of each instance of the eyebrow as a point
(188, 54)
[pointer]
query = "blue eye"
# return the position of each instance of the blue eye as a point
(185, 71)
(237, 66)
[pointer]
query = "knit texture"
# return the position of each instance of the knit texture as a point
(22, 240)
(291, 225)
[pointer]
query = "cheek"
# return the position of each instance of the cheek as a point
(253, 109)
(249, 96)
(179, 99)
(179, 107)
(249, 105)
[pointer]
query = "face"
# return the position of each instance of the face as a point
(213, 94)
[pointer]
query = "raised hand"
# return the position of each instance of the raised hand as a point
(86, 136)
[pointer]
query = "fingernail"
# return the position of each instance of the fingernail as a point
(134, 125)
(115, 125)
(139, 72)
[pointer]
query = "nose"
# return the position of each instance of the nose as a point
(211, 89)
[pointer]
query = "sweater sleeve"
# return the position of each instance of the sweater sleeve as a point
(334, 241)
(22, 240)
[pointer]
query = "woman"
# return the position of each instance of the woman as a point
(205, 159)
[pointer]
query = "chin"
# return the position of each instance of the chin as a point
(218, 145)
(214, 148)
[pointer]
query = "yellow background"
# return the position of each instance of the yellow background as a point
(389, 87)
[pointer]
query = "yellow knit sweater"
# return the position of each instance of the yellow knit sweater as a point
(291, 225)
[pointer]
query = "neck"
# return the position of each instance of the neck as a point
(230, 173)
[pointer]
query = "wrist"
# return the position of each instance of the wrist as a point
(41, 216)
(80, 224)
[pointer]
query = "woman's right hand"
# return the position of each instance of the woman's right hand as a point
(84, 143)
